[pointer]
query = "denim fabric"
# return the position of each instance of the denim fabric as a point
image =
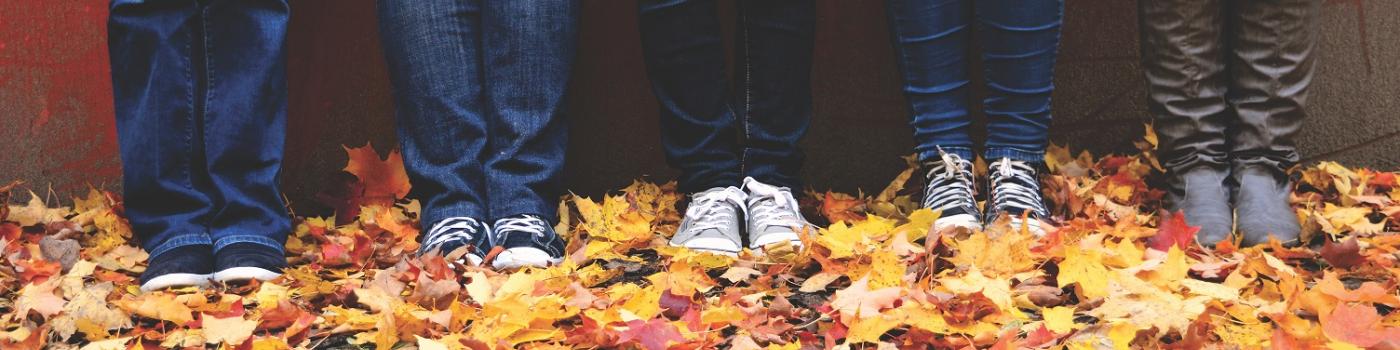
(714, 134)
(200, 95)
(1019, 39)
(479, 89)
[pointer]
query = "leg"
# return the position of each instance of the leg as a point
(153, 82)
(774, 67)
(1271, 66)
(1022, 40)
(245, 119)
(931, 42)
(685, 62)
(435, 67)
(1182, 56)
(528, 50)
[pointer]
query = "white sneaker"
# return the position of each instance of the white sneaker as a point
(711, 222)
(774, 216)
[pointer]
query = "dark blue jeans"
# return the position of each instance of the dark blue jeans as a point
(479, 89)
(1019, 40)
(715, 134)
(201, 100)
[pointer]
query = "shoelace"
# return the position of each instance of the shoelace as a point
(771, 206)
(463, 228)
(709, 213)
(524, 223)
(950, 183)
(1014, 187)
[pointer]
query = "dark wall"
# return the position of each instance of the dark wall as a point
(56, 127)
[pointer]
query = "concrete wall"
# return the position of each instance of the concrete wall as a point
(56, 117)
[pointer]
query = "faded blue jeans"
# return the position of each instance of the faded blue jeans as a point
(1019, 40)
(201, 101)
(479, 89)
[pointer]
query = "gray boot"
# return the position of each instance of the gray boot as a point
(1201, 193)
(1263, 206)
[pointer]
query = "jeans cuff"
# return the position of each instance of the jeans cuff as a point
(180, 241)
(1015, 154)
(932, 153)
(255, 239)
(547, 212)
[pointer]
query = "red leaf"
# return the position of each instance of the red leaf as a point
(1344, 255)
(654, 334)
(674, 306)
(1173, 230)
(1358, 324)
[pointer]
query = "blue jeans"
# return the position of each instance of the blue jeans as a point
(479, 89)
(714, 134)
(201, 107)
(1019, 38)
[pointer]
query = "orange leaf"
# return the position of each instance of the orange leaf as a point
(1173, 230)
(382, 177)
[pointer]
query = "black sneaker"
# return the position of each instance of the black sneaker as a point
(1015, 191)
(528, 241)
(454, 233)
(248, 261)
(951, 191)
(187, 266)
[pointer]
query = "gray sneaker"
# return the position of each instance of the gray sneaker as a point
(711, 223)
(774, 216)
(1263, 205)
(1202, 195)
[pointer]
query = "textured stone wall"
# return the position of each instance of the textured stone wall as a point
(56, 117)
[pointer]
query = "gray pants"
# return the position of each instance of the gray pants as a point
(1228, 79)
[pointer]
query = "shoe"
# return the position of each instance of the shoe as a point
(1202, 194)
(711, 222)
(950, 191)
(241, 262)
(1263, 205)
(1015, 191)
(187, 266)
(528, 241)
(453, 233)
(773, 216)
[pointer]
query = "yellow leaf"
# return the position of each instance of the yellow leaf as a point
(869, 329)
(160, 306)
(1085, 268)
(1059, 319)
(231, 331)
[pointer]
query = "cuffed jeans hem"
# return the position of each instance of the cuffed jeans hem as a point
(702, 186)
(549, 213)
(1181, 164)
(992, 154)
(432, 216)
(931, 153)
(255, 239)
(181, 241)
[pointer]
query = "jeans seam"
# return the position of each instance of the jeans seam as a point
(208, 73)
(192, 117)
(748, 94)
(245, 238)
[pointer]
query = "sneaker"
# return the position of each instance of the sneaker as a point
(1015, 192)
(773, 216)
(711, 223)
(951, 191)
(1263, 206)
(241, 262)
(454, 233)
(528, 241)
(1202, 194)
(186, 266)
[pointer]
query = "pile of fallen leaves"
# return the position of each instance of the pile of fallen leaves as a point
(1116, 274)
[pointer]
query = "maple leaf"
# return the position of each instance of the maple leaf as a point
(859, 300)
(230, 331)
(653, 334)
(1345, 255)
(383, 177)
(1084, 268)
(840, 207)
(1173, 231)
(1359, 325)
(160, 306)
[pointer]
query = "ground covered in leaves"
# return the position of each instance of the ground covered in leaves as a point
(1116, 274)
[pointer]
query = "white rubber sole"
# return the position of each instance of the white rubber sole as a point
(713, 245)
(759, 243)
(958, 222)
(176, 280)
(243, 273)
(1036, 227)
(515, 258)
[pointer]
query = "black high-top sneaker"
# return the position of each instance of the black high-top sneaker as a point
(1014, 189)
(951, 190)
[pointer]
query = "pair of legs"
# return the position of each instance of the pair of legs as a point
(479, 88)
(725, 134)
(1228, 81)
(201, 101)
(1020, 41)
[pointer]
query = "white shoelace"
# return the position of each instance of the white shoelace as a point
(772, 206)
(950, 184)
(524, 223)
(1015, 187)
(708, 211)
(454, 228)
